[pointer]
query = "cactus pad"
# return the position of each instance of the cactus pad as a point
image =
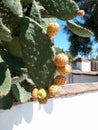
(61, 9)
(10, 13)
(5, 33)
(14, 47)
(6, 102)
(20, 93)
(37, 51)
(13, 62)
(34, 13)
(79, 30)
(5, 79)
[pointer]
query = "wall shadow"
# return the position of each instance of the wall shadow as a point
(15, 115)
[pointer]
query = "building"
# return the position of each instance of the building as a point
(81, 64)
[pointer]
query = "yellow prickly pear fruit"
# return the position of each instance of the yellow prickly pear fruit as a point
(54, 91)
(60, 80)
(53, 29)
(35, 93)
(64, 70)
(42, 94)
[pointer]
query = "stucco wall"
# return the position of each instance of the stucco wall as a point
(71, 113)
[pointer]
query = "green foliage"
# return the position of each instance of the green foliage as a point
(21, 92)
(12, 61)
(37, 52)
(26, 2)
(5, 33)
(6, 102)
(79, 30)
(34, 13)
(13, 47)
(64, 10)
(82, 45)
(26, 51)
(5, 79)
(10, 13)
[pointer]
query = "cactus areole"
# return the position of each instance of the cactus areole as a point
(29, 59)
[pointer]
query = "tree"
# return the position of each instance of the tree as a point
(82, 45)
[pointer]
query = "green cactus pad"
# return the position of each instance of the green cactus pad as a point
(10, 13)
(61, 9)
(6, 102)
(26, 2)
(5, 79)
(14, 47)
(34, 13)
(38, 53)
(5, 33)
(12, 61)
(79, 30)
(20, 93)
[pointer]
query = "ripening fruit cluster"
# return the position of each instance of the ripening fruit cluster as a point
(40, 95)
(62, 67)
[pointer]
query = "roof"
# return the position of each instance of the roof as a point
(81, 60)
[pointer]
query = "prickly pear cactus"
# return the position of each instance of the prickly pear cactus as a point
(27, 52)
(10, 13)
(39, 61)
(79, 30)
(64, 10)
(5, 33)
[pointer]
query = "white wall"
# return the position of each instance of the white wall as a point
(86, 66)
(83, 66)
(71, 113)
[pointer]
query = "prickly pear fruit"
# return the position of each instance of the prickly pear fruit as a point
(60, 80)
(80, 13)
(54, 91)
(64, 70)
(53, 29)
(42, 94)
(61, 60)
(35, 93)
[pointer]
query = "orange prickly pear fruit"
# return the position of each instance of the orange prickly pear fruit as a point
(42, 94)
(64, 70)
(35, 93)
(60, 80)
(54, 91)
(80, 13)
(53, 29)
(61, 60)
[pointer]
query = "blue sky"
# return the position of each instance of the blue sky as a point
(61, 39)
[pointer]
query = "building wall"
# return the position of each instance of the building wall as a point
(83, 66)
(76, 78)
(86, 66)
(72, 113)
